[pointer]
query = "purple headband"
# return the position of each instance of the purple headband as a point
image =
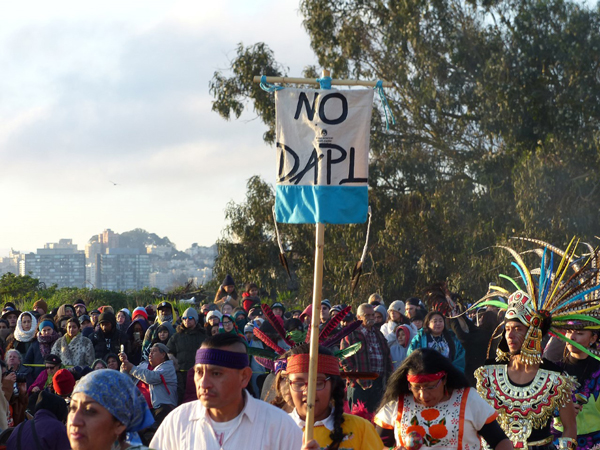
(223, 358)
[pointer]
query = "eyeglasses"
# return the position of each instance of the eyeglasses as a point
(424, 388)
(50, 367)
(299, 386)
(189, 318)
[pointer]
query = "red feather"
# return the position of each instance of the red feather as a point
(267, 340)
(342, 334)
(272, 318)
(333, 323)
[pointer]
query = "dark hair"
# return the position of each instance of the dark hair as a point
(422, 361)
(221, 340)
(489, 320)
(418, 316)
(338, 395)
(74, 320)
(293, 324)
(445, 333)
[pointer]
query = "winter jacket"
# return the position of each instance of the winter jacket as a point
(78, 352)
(151, 331)
(184, 344)
(51, 433)
(162, 381)
(110, 343)
(133, 348)
(397, 351)
(420, 341)
(388, 330)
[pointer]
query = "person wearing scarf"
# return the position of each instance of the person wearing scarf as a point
(24, 333)
(115, 397)
(73, 348)
(42, 345)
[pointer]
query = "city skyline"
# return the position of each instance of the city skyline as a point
(107, 122)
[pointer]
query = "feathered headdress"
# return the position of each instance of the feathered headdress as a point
(270, 359)
(553, 301)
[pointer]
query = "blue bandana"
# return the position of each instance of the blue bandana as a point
(116, 392)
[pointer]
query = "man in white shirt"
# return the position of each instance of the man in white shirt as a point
(225, 416)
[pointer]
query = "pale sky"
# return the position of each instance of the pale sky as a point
(98, 92)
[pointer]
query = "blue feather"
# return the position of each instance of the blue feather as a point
(548, 282)
(577, 297)
(542, 278)
(520, 272)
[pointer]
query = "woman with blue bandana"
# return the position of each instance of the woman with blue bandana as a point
(105, 406)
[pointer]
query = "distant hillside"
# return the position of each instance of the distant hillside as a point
(138, 238)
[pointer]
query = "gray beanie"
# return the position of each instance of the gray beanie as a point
(381, 310)
(191, 312)
(397, 305)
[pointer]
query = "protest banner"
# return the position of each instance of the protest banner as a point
(322, 155)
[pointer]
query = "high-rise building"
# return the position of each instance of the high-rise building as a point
(122, 269)
(57, 263)
(105, 240)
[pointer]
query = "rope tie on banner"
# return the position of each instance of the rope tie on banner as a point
(268, 86)
(384, 104)
(324, 82)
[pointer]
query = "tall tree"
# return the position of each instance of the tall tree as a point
(498, 110)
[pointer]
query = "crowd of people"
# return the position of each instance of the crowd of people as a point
(424, 372)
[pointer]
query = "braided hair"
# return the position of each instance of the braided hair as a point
(338, 395)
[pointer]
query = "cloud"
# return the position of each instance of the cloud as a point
(90, 97)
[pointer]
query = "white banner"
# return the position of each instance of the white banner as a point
(323, 136)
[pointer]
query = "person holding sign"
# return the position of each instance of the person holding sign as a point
(333, 429)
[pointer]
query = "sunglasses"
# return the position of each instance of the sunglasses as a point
(188, 318)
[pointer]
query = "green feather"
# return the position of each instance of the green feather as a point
(575, 344)
(496, 303)
(348, 351)
(581, 317)
(506, 277)
(297, 336)
(263, 353)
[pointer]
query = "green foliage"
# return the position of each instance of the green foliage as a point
(498, 110)
(12, 285)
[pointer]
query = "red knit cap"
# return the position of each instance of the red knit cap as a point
(328, 365)
(63, 382)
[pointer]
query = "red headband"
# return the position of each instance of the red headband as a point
(328, 365)
(425, 377)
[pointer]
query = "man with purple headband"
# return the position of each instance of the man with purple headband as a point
(225, 416)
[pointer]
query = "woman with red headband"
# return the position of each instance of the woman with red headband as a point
(428, 404)
(333, 429)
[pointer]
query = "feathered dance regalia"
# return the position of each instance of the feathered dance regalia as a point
(550, 300)
(270, 359)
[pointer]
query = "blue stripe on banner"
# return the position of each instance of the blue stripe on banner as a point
(321, 204)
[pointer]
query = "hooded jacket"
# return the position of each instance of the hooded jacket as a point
(420, 341)
(151, 331)
(397, 351)
(110, 342)
(162, 381)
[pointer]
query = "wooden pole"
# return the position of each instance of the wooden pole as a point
(314, 327)
(314, 333)
(334, 82)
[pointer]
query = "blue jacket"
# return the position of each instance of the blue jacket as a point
(420, 341)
